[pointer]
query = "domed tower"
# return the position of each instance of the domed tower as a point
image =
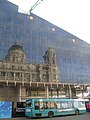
(50, 59)
(16, 54)
(50, 56)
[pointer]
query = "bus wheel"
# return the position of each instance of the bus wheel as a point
(77, 112)
(50, 114)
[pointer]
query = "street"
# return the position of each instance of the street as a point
(71, 117)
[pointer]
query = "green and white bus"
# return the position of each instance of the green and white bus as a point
(53, 107)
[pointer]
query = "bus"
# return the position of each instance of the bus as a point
(53, 107)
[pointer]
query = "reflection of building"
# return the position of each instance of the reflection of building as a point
(16, 54)
(15, 60)
(22, 77)
(15, 70)
(19, 79)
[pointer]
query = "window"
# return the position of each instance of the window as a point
(70, 105)
(36, 105)
(54, 77)
(45, 105)
(12, 66)
(34, 77)
(18, 74)
(56, 105)
(3, 73)
(52, 105)
(28, 103)
(65, 105)
(12, 74)
(59, 105)
(31, 17)
(81, 104)
(41, 105)
(73, 40)
(27, 76)
(53, 29)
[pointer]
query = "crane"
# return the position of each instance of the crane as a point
(36, 3)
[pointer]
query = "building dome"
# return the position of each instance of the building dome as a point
(16, 53)
(16, 47)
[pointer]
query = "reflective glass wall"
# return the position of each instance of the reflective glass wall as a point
(36, 35)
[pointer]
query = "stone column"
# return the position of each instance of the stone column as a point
(14, 76)
(40, 73)
(47, 91)
(82, 89)
(68, 91)
(57, 92)
(23, 79)
(22, 93)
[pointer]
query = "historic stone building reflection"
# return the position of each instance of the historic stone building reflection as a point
(51, 63)
(14, 69)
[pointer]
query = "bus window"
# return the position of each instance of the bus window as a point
(36, 105)
(49, 105)
(70, 105)
(56, 105)
(52, 105)
(45, 105)
(81, 104)
(28, 103)
(64, 105)
(59, 105)
(41, 105)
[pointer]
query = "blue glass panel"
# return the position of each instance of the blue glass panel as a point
(5, 110)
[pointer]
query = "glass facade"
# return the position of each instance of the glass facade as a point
(36, 35)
